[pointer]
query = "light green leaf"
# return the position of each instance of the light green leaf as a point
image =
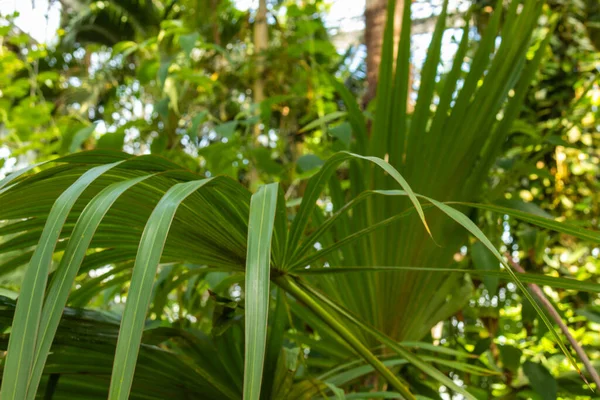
(146, 264)
(124, 48)
(562, 227)
(343, 132)
(188, 42)
(81, 136)
(21, 349)
(111, 140)
(170, 89)
(338, 394)
(317, 184)
(226, 129)
(258, 261)
(196, 121)
(64, 276)
(323, 120)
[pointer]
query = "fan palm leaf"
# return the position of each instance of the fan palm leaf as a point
(444, 149)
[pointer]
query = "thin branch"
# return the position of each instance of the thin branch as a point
(563, 327)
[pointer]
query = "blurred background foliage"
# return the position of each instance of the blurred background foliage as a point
(181, 79)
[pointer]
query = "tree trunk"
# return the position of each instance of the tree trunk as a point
(261, 39)
(375, 18)
(214, 6)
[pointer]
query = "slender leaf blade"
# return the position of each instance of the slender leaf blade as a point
(146, 264)
(59, 287)
(258, 261)
(21, 346)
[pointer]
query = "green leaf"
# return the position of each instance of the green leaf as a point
(556, 140)
(541, 380)
(591, 313)
(159, 143)
(323, 120)
(125, 48)
(317, 184)
(21, 349)
(226, 129)
(297, 291)
(81, 136)
(381, 131)
(8, 179)
(555, 282)
(561, 227)
(377, 395)
(355, 115)
(475, 231)
(146, 263)
(338, 393)
(83, 354)
(277, 323)
(258, 262)
(342, 132)
(163, 72)
(348, 372)
(398, 131)
(63, 279)
(308, 162)
(264, 162)
(511, 357)
(304, 292)
(286, 367)
(170, 89)
(484, 260)
(196, 121)
(111, 140)
(417, 136)
(162, 107)
(188, 42)
(529, 208)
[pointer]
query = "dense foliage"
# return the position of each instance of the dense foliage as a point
(237, 224)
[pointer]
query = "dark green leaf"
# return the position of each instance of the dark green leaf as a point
(484, 260)
(541, 380)
(308, 162)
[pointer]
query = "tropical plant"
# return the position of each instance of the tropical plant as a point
(373, 266)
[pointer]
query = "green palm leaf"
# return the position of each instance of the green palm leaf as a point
(149, 253)
(65, 274)
(21, 346)
(258, 262)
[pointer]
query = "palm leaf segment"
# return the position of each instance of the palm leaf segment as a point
(171, 216)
